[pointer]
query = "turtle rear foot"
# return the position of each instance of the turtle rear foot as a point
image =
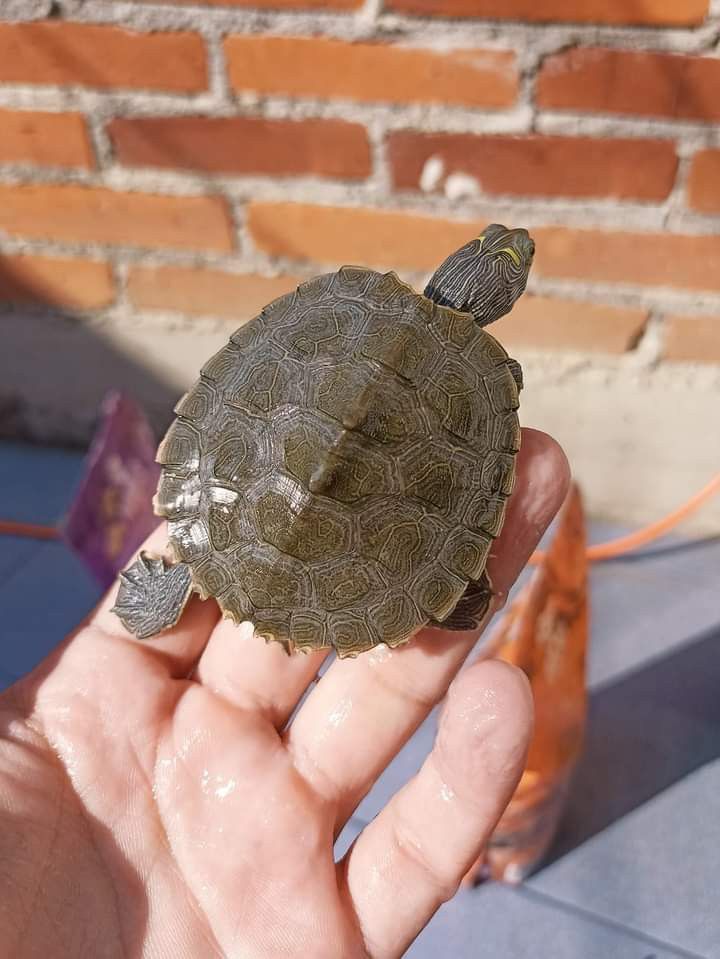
(152, 595)
(472, 607)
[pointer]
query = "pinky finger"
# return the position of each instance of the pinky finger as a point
(413, 856)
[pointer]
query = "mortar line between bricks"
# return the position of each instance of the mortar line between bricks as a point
(24, 10)
(119, 274)
(601, 125)
(381, 173)
(241, 234)
(220, 90)
(562, 905)
(150, 17)
(575, 213)
(676, 205)
(355, 24)
(249, 103)
(480, 120)
(369, 12)
(99, 141)
(649, 345)
(625, 36)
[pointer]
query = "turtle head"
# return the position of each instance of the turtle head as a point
(485, 276)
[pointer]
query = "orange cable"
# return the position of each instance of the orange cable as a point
(624, 544)
(28, 530)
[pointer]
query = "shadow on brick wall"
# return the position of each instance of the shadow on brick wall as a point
(56, 364)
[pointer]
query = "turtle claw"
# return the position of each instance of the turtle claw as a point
(152, 595)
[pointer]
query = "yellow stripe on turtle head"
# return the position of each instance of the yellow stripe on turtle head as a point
(513, 254)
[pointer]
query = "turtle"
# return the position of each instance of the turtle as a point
(338, 473)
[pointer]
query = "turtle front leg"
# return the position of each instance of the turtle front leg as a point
(517, 373)
(152, 595)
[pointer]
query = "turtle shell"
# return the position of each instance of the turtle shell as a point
(338, 473)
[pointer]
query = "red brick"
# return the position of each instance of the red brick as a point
(692, 339)
(405, 241)
(540, 165)
(545, 323)
(337, 235)
(320, 5)
(646, 259)
(704, 182)
(75, 284)
(206, 292)
(101, 57)
(639, 83)
(244, 145)
(97, 215)
(660, 13)
(320, 67)
(44, 139)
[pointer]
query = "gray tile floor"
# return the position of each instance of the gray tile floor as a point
(635, 871)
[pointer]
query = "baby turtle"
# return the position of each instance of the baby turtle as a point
(338, 473)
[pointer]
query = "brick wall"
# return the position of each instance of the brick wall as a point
(167, 168)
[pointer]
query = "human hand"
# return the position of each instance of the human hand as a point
(155, 802)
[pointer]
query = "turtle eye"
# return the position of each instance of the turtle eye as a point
(513, 254)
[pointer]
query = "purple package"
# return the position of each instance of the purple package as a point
(111, 513)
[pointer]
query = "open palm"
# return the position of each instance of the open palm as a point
(155, 801)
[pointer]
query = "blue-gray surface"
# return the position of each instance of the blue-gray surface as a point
(635, 871)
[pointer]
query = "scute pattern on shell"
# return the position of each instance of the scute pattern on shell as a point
(340, 469)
